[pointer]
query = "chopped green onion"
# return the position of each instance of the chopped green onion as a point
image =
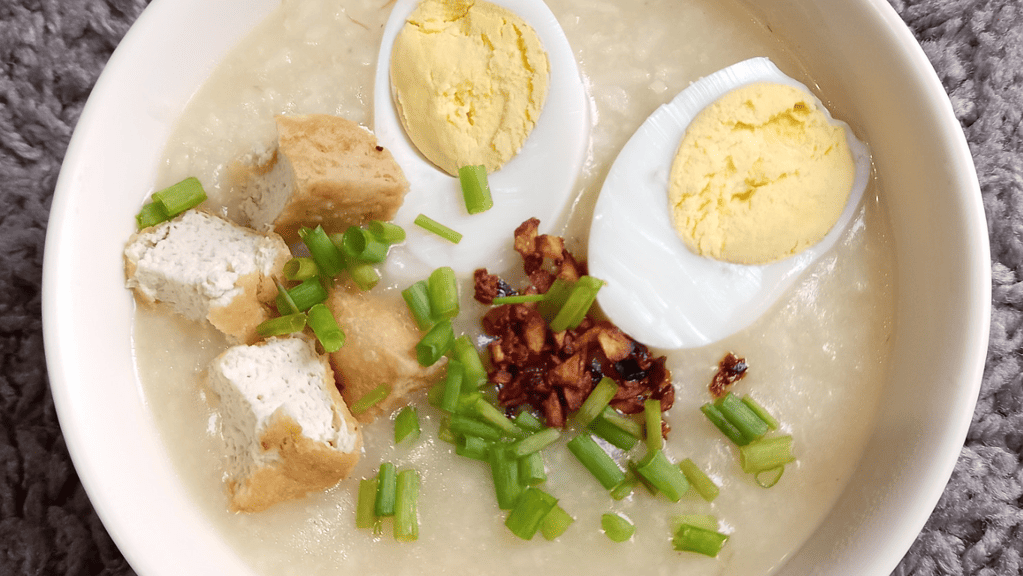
(652, 418)
(625, 488)
(554, 298)
(572, 312)
(628, 425)
(760, 411)
(435, 343)
(299, 269)
(282, 325)
(475, 189)
(324, 325)
(555, 523)
(452, 386)
(700, 540)
(180, 197)
(612, 433)
(406, 516)
(151, 214)
(528, 514)
(328, 258)
(727, 428)
(370, 399)
(474, 374)
(531, 469)
(519, 299)
(770, 477)
(668, 478)
(766, 454)
(365, 511)
(598, 462)
(704, 486)
(705, 521)
(386, 232)
(406, 424)
(490, 414)
(431, 225)
(528, 421)
(467, 402)
(473, 447)
(387, 483)
(363, 274)
(598, 399)
(535, 442)
(444, 431)
(443, 291)
(742, 417)
(616, 527)
(358, 244)
(467, 426)
(505, 471)
(646, 483)
(417, 297)
(308, 293)
(285, 304)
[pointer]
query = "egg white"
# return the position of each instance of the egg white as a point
(539, 181)
(657, 290)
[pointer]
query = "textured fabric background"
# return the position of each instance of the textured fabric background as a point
(51, 52)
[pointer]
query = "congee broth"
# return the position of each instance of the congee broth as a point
(817, 359)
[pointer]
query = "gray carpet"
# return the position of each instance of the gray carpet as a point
(51, 52)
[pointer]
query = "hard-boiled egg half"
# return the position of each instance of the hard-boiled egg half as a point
(538, 180)
(673, 293)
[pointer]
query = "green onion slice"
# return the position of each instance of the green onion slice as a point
(475, 189)
(417, 297)
(535, 442)
(463, 425)
(363, 274)
(581, 297)
(611, 430)
(617, 527)
(528, 421)
(299, 269)
(365, 510)
(492, 415)
(179, 197)
(406, 497)
(285, 304)
(505, 471)
(727, 428)
(431, 225)
(151, 214)
(598, 399)
(652, 419)
(474, 374)
(406, 424)
(328, 258)
(325, 327)
(519, 299)
(386, 232)
(435, 343)
(532, 470)
(372, 398)
(357, 243)
(472, 447)
(700, 540)
(666, 477)
(452, 386)
(529, 512)
(443, 291)
(740, 415)
(770, 477)
(387, 481)
(760, 411)
(555, 523)
(766, 454)
(282, 325)
(699, 480)
(598, 462)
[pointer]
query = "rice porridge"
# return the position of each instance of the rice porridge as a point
(817, 358)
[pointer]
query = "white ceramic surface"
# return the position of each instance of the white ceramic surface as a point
(862, 57)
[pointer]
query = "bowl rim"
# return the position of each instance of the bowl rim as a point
(128, 529)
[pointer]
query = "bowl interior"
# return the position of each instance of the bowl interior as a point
(860, 54)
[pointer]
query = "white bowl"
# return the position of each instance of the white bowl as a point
(939, 233)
